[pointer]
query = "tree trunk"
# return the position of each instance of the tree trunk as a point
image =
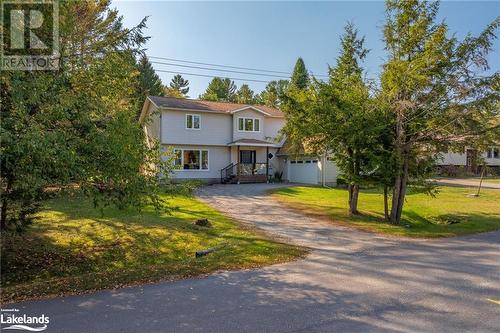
(3, 210)
(401, 160)
(353, 199)
(386, 203)
(3, 215)
(399, 193)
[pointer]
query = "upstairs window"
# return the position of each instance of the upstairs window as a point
(192, 121)
(249, 124)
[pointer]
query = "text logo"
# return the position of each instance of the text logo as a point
(30, 35)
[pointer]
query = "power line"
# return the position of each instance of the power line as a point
(228, 66)
(218, 70)
(210, 76)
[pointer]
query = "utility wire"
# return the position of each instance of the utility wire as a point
(219, 70)
(227, 66)
(211, 76)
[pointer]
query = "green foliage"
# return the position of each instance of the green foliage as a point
(435, 90)
(245, 95)
(300, 76)
(221, 90)
(76, 125)
(274, 93)
(149, 82)
(178, 87)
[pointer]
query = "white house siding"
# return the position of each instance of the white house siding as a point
(260, 156)
(330, 171)
(152, 126)
(249, 113)
(218, 158)
(272, 128)
(215, 128)
(452, 159)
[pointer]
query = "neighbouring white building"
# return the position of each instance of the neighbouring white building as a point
(228, 142)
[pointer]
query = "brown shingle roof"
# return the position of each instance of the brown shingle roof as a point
(220, 107)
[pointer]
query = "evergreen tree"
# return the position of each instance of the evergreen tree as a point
(178, 87)
(274, 93)
(245, 95)
(435, 88)
(149, 82)
(300, 76)
(223, 90)
(77, 125)
(337, 117)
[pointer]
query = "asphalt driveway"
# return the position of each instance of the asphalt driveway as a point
(351, 282)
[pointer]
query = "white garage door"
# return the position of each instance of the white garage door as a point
(303, 171)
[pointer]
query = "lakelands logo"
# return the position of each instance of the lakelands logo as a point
(29, 35)
(10, 319)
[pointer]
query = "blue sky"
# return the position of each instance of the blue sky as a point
(271, 35)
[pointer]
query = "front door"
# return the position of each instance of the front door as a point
(247, 162)
(247, 156)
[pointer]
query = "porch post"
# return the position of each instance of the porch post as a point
(267, 164)
(238, 165)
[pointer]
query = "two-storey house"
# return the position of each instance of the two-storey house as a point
(228, 142)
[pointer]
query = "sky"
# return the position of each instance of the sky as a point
(272, 35)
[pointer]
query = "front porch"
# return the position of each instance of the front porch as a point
(249, 162)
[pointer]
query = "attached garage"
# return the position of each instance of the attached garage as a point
(311, 171)
(305, 171)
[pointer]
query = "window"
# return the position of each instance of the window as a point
(192, 121)
(495, 152)
(177, 159)
(249, 124)
(190, 159)
(488, 153)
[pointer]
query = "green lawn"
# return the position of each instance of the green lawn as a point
(72, 248)
(425, 215)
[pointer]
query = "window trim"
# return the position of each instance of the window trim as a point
(201, 159)
(253, 124)
(186, 121)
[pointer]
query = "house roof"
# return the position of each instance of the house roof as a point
(209, 106)
(252, 142)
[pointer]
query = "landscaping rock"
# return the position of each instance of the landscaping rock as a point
(202, 223)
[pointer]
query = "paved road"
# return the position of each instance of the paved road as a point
(351, 282)
(470, 182)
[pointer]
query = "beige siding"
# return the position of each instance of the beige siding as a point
(215, 128)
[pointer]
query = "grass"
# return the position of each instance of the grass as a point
(427, 217)
(73, 248)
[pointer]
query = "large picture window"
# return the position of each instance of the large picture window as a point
(249, 124)
(192, 121)
(191, 159)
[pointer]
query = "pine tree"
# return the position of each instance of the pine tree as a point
(178, 87)
(245, 95)
(435, 87)
(274, 93)
(223, 90)
(149, 82)
(300, 77)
